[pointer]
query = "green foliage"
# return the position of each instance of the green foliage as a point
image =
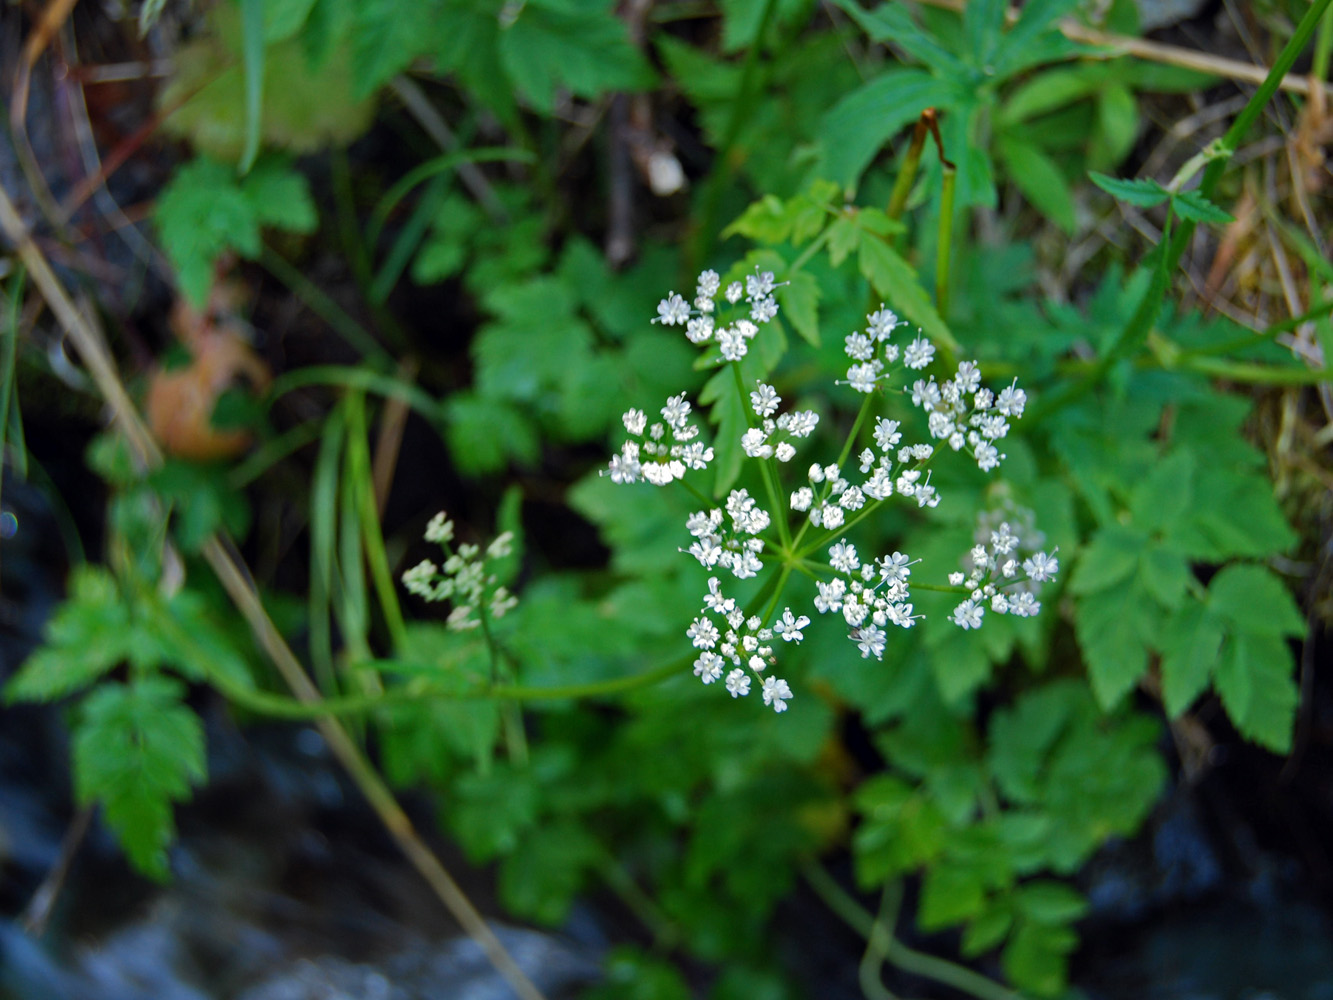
(206, 211)
(138, 750)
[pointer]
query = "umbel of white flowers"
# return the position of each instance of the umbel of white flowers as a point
(871, 594)
(463, 577)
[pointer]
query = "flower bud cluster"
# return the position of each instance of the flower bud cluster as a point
(768, 439)
(653, 458)
(699, 319)
(743, 642)
(995, 564)
(462, 578)
(871, 595)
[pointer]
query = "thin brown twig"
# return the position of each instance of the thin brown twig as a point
(226, 564)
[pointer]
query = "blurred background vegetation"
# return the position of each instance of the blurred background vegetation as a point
(283, 278)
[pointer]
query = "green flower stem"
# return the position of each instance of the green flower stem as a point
(766, 472)
(902, 185)
(861, 415)
(945, 240)
(772, 607)
(811, 250)
(880, 936)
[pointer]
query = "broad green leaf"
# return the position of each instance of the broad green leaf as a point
(1036, 958)
(137, 750)
(1048, 902)
(1037, 176)
(1118, 122)
(542, 877)
(1190, 641)
(893, 279)
(89, 634)
(1192, 205)
(950, 894)
(1255, 679)
(799, 299)
(1166, 575)
(1252, 600)
(1111, 557)
(1036, 18)
(890, 23)
(1111, 626)
(1166, 494)
(284, 18)
(863, 122)
(983, 26)
(1049, 90)
(583, 48)
(1142, 192)
(988, 929)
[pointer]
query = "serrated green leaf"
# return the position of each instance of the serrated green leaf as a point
(1036, 958)
(137, 750)
(890, 22)
(280, 197)
(1022, 736)
(88, 635)
(1141, 191)
(492, 812)
(1252, 599)
(584, 50)
(1110, 558)
(865, 120)
(200, 214)
(1165, 575)
(1048, 902)
(799, 299)
(388, 35)
(1110, 627)
(1194, 207)
(893, 278)
(1118, 122)
(1255, 679)
(1165, 494)
(950, 894)
(1191, 641)
(987, 930)
(484, 434)
(542, 877)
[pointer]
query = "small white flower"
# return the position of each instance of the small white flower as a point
(968, 377)
(842, 557)
(789, 626)
(832, 516)
(699, 329)
(830, 595)
(738, 683)
(870, 640)
(863, 377)
(882, 323)
(763, 310)
(635, 421)
(968, 614)
(802, 499)
(732, 343)
(759, 285)
(776, 692)
(755, 443)
(765, 400)
(501, 546)
(1011, 401)
(440, 529)
(918, 354)
(708, 667)
(714, 599)
(1041, 567)
(672, 310)
(785, 451)
(676, 412)
(859, 347)
(802, 423)
(708, 284)
(734, 292)
(703, 633)
(852, 499)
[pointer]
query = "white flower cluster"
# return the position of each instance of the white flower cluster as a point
(745, 643)
(759, 442)
(869, 369)
(994, 579)
(654, 459)
(962, 413)
(871, 595)
(733, 544)
(462, 578)
(733, 339)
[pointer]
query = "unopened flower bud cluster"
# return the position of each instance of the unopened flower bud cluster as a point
(871, 595)
(462, 578)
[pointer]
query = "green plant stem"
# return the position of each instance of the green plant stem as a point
(894, 951)
(665, 931)
(347, 377)
(945, 240)
(271, 452)
(741, 109)
(765, 467)
(902, 185)
(372, 535)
